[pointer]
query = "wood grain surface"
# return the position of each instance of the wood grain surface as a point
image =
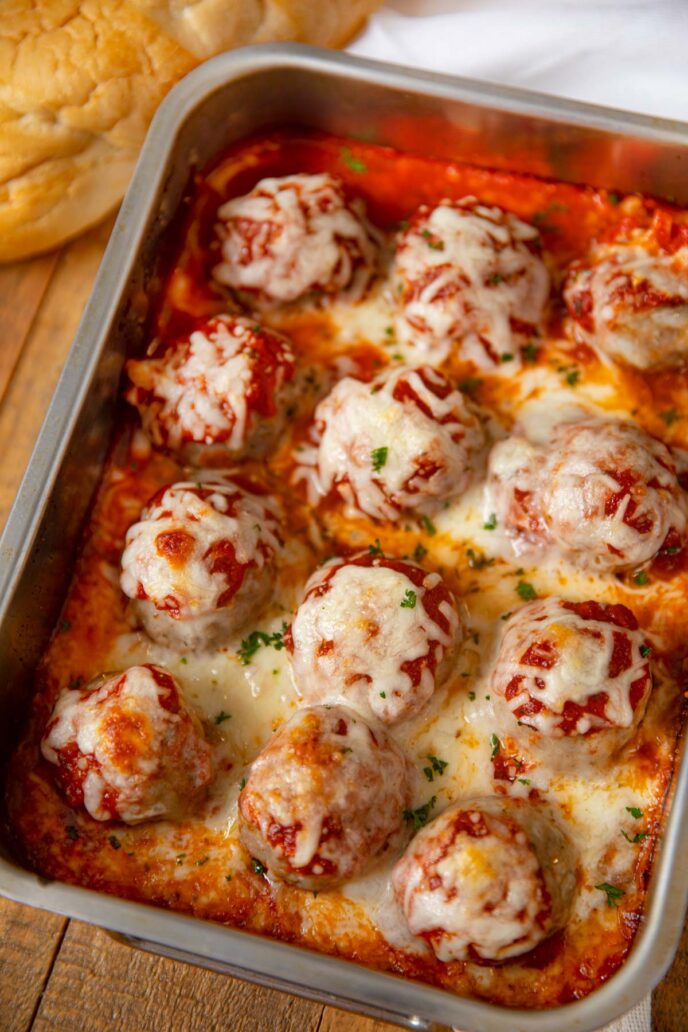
(66, 976)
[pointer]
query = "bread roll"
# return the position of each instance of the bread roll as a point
(81, 79)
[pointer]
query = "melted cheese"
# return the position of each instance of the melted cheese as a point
(583, 650)
(360, 421)
(195, 588)
(465, 274)
(121, 731)
(638, 304)
(373, 635)
(293, 235)
(202, 390)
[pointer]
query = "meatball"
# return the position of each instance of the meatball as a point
(127, 748)
(324, 798)
(487, 880)
(470, 276)
(611, 494)
(200, 561)
(573, 668)
(294, 235)
(222, 389)
(405, 442)
(605, 494)
(375, 633)
(629, 301)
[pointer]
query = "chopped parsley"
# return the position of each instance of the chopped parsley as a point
(437, 766)
(228, 877)
(354, 163)
(180, 859)
(203, 860)
(641, 577)
(420, 815)
(478, 561)
(505, 616)
(251, 644)
(524, 781)
(572, 377)
(378, 458)
(496, 279)
(74, 683)
(222, 716)
(409, 599)
(242, 784)
(65, 625)
(613, 893)
(506, 356)
(258, 868)
(419, 552)
(530, 352)
(670, 416)
(183, 660)
(638, 837)
(491, 522)
(114, 842)
(645, 651)
(470, 385)
(428, 526)
(375, 548)
(613, 198)
(526, 591)
(495, 743)
(383, 695)
(389, 331)
(433, 244)
(72, 833)
(635, 811)
(471, 696)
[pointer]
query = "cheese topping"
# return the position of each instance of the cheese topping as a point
(294, 235)
(469, 275)
(486, 879)
(372, 633)
(323, 798)
(191, 550)
(604, 493)
(573, 668)
(128, 749)
(630, 303)
(220, 385)
(405, 441)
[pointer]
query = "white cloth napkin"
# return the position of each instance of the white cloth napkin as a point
(629, 54)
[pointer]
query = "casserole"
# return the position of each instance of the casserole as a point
(118, 312)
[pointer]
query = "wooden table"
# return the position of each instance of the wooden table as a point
(64, 975)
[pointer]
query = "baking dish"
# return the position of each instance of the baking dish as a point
(220, 103)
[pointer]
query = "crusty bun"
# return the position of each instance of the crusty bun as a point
(80, 80)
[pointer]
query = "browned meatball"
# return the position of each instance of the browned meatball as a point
(324, 798)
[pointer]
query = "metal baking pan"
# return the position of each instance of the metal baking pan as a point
(228, 98)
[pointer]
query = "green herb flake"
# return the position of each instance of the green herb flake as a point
(389, 331)
(114, 842)
(613, 893)
(428, 526)
(439, 766)
(378, 458)
(375, 548)
(354, 163)
(183, 660)
(506, 356)
(526, 591)
(65, 625)
(256, 639)
(638, 837)
(478, 561)
(471, 696)
(635, 811)
(572, 377)
(505, 616)
(222, 716)
(645, 651)
(641, 577)
(491, 522)
(613, 198)
(524, 781)
(383, 695)
(420, 815)
(202, 861)
(258, 868)
(470, 385)
(496, 745)
(670, 416)
(180, 859)
(228, 877)
(496, 279)
(409, 599)
(72, 833)
(530, 352)
(419, 552)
